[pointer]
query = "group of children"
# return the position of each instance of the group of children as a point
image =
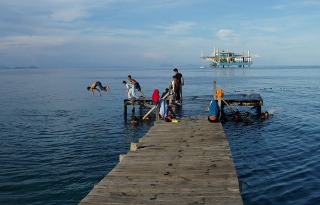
(132, 86)
(175, 86)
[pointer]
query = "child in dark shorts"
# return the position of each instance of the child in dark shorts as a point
(136, 84)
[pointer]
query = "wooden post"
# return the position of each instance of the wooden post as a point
(157, 113)
(125, 104)
(133, 146)
(132, 103)
(259, 110)
(215, 97)
(214, 90)
(170, 91)
(121, 156)
(181, 93)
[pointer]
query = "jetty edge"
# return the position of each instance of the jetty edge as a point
(188, 162)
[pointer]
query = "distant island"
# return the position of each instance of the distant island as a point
(166, 65)
(18, 67)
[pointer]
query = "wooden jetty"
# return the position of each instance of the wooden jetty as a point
(254, 100)
(188, 162)
(251, 99)
(140, 102)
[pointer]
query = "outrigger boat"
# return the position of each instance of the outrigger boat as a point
(227, 59)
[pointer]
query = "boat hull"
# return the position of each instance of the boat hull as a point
(230, 64)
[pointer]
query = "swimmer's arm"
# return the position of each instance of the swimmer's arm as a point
(98, 91)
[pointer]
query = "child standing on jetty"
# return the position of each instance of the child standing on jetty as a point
(180, 78)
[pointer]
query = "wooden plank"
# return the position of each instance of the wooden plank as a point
(189, 162)
(138, 101)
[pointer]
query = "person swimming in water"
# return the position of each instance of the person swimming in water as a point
(237, 117)
(247, 118)
(265, 115)
(99, 85)
(134, 120)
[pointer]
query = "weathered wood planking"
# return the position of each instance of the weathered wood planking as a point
(175, 163)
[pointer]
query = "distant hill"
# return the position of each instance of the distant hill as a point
(166, 65)
(18, 67)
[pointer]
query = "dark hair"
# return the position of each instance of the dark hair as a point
(134, 118)
(129, 76)
(124, 82)
(88, 88)
(175, 69)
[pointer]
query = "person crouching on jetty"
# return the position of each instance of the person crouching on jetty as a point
(130, 90)
(214, 111)
(99, 85)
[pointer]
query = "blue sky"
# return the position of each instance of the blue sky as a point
(108, 33)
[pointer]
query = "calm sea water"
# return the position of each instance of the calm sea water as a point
(58, 141)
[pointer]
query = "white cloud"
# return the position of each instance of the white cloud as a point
(178, 28)
(225, 34)
(32, 41)
(68, 15)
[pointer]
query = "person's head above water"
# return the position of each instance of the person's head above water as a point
(265, 115)
(134, 119)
